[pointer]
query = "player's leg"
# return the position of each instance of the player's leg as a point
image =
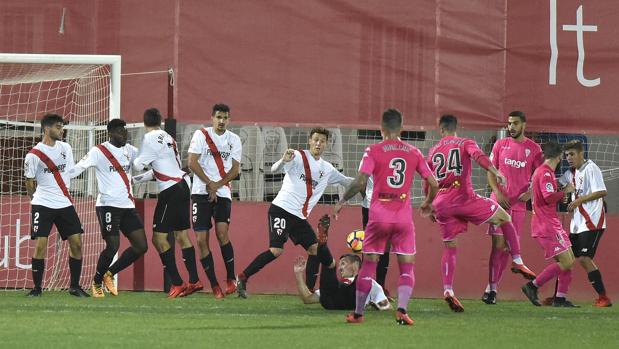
(383, 261)
(280, 224)
(448, 272)
(70, 229)
(202, 211)
(403, 245)
(558, 248)
(41, 221)
(223, 209)
(109, 223)
(189, 258)
(180, 225)
(504, 221)
(587, 246)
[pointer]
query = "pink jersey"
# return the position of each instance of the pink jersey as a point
(450, 160)
(392, 165)
(516, 161)
(545, 221)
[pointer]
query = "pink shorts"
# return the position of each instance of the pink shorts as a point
(453, 213)
(401, 235)
(554, 244)
(517, 220)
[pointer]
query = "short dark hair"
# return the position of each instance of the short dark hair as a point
(152, 117)
(115, 124)
(50, 119)
(551, 150)
(319, 130)
(220, 107)
(575, 145)
(518, 114)
(448, 122)
(351, 258)
(392, 119)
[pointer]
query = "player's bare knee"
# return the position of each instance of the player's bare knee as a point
(313, 250)
(276, 251)
(40, 248)
(223, 238)
(183, 238)
(450, 243)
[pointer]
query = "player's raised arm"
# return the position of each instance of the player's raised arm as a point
(286, 158)
(89, 160)
(352, 189)
(484, 161)
(146, 156)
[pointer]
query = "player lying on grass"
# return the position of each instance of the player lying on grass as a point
(336, 294)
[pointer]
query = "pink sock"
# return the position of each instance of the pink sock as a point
(497, 263)
(406, 283)
(448, 267)
(550, 272)
(364, 283)
(511, 237)
(565, 278)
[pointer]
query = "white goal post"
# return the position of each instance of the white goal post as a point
(85, 90)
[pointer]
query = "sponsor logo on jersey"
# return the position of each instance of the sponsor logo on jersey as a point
(515, 163)
(224, 155)
(126, 168)
(60, 167)
(303, 179)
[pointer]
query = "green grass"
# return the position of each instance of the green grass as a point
(150, 320)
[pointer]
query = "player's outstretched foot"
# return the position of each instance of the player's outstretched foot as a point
(489, 297)
(453, 303)
(354, 318)
(530, 291)
(230, 286)
(108, 281)
(97, 290)
(78, 292)
(35, 292)
(603, 302)
(192, 288)
(177, 291)
(218, 293)
(401, 317)
(241, 287)
(523, 270)
(323, 229)
(548, 301)
(561, 302)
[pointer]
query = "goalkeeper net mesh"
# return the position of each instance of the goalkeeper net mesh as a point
(81, 94)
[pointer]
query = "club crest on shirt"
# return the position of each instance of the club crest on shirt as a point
(63, 154)
(321, 174)
(527, 152)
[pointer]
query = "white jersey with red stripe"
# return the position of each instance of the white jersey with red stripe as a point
(230, 148)
(159, 151)
(48, 193)
(587, 179)
(293, 194)
(112, 188)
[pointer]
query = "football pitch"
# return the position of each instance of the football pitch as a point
(149, 320)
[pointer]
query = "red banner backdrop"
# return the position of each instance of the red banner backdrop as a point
(341, 62)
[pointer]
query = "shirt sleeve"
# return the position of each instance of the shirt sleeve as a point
(476, 153)
(548, 188)
(31, 162)
(336, 177)
(146, 156)
(90, 159)
(565, 178)
(367, 163)
(596, 180)
(197, 144)
(422, 166)
(539, 157)
(494, 154)
(237, 148)
(297, 160)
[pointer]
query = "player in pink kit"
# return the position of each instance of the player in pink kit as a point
(516, 157)
(457, 204)
(392, 165)
(546, 228)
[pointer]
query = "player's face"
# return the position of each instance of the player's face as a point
(515, 126)
(575, 158)
(119, 136)
(220, 121)
(55, 131)
(347, 270)
(317, 144)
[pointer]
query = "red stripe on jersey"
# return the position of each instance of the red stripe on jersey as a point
(216, 154)
(54, 170)
(583, 212)
(308, 182)
(118, 168)
(162, 177)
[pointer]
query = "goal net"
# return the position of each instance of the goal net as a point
(85, 90)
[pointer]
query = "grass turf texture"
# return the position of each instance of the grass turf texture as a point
(147, 320)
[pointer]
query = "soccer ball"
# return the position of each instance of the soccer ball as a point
(354, 240)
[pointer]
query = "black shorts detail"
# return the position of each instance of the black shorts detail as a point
(172, 210)
(113, 220)
(283, 224)
(586, 243)
(204, 212)
(65, 219)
